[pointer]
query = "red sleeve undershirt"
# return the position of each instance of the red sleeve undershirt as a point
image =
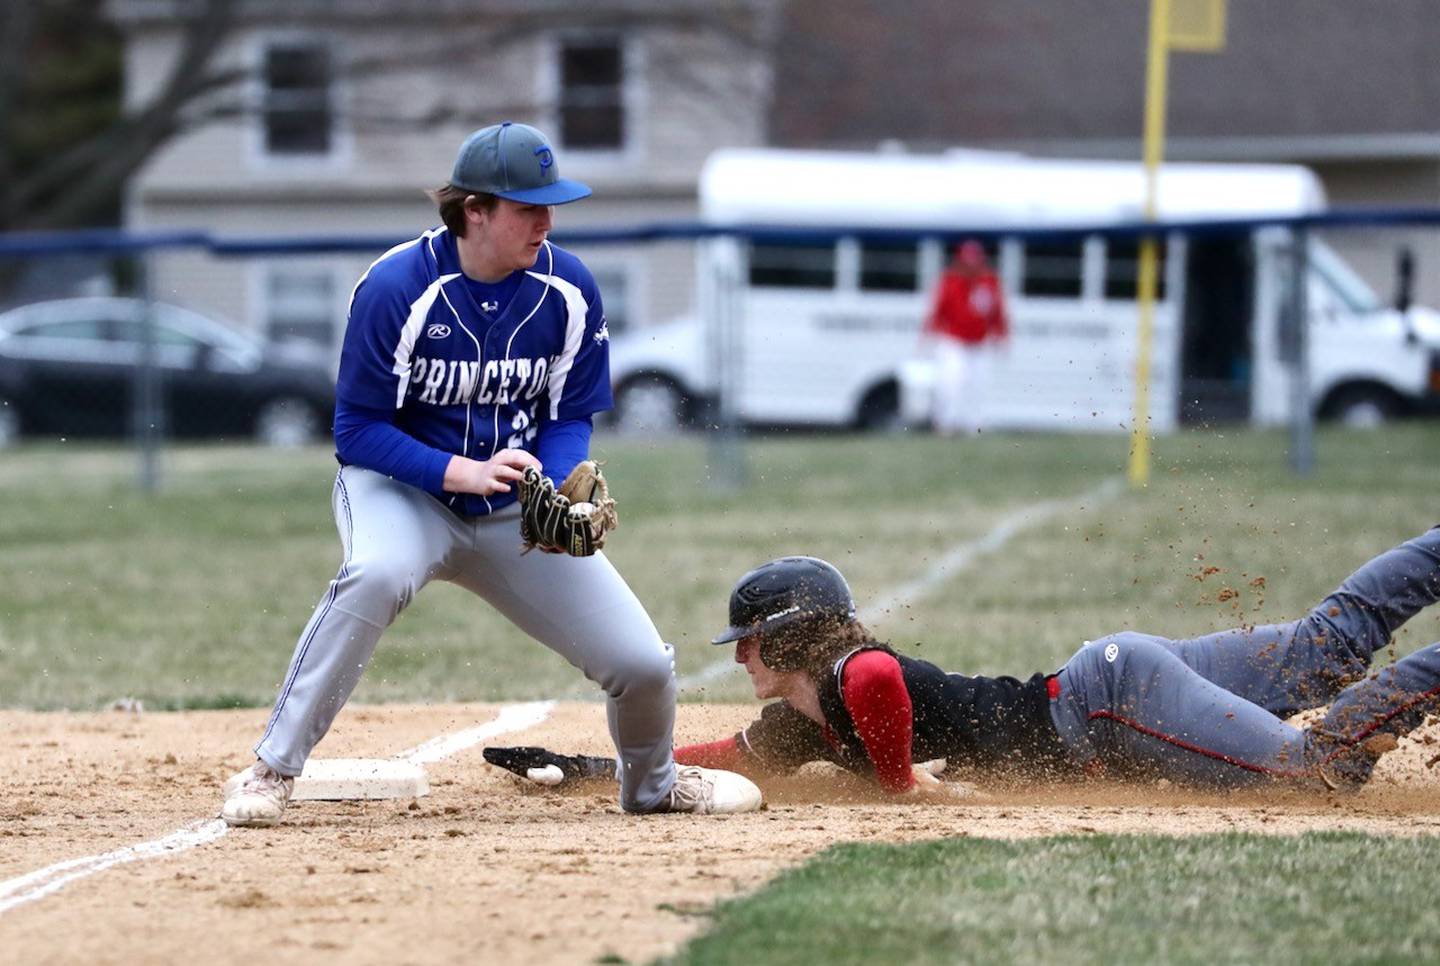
(725, 754)
(874, 692)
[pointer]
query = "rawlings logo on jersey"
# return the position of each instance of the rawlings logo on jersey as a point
(438, 331)
(452, 382)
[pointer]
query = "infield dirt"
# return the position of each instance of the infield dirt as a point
(484, 869)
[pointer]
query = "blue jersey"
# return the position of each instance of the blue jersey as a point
(430, 369)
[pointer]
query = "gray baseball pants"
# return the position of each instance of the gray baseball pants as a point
(396, 539)
(1209, 710)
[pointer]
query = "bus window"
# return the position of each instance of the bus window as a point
(889, 266)
(1122, 269)
(789, 265)
(1344, 286)
(1053, 269)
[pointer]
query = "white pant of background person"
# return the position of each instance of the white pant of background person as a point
(962, 371)
(396, 539)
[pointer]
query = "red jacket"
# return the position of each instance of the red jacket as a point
(968, 307)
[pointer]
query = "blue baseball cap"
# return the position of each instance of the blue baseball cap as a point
(514, 161)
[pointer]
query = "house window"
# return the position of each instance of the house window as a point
(592, 111)
(614, 285)
(300, 304)
(298, 110)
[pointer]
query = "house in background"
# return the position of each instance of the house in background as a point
(354, 107)
(351, 109)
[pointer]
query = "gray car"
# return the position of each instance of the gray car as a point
(69, 368)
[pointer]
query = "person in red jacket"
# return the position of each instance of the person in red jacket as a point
(968, 316)
(1203, 712)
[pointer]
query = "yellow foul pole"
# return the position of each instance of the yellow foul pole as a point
(1155, 83)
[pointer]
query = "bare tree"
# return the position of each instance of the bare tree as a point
(63, 190)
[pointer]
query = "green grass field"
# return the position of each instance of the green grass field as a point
(193, 597)
(1314, 898)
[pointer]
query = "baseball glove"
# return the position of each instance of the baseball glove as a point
(574, 519)
(547, 768)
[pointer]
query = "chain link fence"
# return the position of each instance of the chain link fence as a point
(144, 338)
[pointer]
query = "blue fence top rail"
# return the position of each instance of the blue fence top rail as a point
(120, 241)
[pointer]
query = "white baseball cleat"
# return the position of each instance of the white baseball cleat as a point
(708, 791)
(256, 797)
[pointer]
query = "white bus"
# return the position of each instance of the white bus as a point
(824, 331)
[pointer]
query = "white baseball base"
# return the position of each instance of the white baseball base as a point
(347, 779)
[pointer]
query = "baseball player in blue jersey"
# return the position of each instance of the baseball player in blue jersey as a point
(473, 353)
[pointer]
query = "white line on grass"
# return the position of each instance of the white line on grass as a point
(954, 560)
(51, 879)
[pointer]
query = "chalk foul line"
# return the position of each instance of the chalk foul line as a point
(38, 885)
(47, 881)
(516, 717)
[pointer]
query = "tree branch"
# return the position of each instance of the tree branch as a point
(98, 167)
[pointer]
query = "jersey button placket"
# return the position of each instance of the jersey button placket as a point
(495, 349)
(483, 428)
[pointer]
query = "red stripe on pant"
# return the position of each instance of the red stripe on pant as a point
(1346, 743)
(1188, 746)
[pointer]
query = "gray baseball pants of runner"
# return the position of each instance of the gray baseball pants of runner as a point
(1208, 711)
(396, 539)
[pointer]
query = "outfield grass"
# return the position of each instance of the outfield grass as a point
(1233, 898)
(194, 596)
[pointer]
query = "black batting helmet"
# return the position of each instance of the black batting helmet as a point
(783, 601)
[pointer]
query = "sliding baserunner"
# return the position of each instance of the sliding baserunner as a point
(1207, 711)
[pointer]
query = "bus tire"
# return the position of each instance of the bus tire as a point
(879, 409)
(1362, 406)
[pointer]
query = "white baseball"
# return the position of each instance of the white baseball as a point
(549, 775)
